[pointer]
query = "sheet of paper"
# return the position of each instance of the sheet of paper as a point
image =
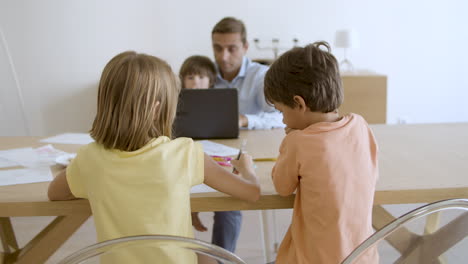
(21, 176)
(31, 158)
(214, 149)
(5, 163)
(202, 188)
(70, 138)
(25, 157)
(48, 154)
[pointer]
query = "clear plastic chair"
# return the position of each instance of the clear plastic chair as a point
(434, 233)
(152, 249)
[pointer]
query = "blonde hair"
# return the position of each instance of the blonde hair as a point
(128, 115)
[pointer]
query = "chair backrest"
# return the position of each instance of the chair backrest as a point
(152, 249)
(434, 233)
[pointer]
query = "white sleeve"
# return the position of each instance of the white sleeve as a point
(265, 120)
(268, 117)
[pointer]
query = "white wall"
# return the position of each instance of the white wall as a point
(59, 48)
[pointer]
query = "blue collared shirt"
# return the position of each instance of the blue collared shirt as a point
(252, 104)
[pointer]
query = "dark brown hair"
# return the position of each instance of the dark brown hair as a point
(309, 72)
(200, 65)
(128, 114)
(231, 25)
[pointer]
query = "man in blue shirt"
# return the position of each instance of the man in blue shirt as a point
(235, 70)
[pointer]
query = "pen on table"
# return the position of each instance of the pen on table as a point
(242, 146)
(264, 159)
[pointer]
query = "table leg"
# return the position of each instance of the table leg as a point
(425, 248)
(401, 238)
(432, 224)
(43, 245)
(275, 232)
(267, 252)
(7, 235)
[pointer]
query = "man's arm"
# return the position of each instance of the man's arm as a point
(265, 120)
(267, 117)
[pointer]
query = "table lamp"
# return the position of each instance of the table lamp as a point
(346, 39)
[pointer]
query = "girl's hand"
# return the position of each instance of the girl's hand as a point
(245, 187)
(244, 165)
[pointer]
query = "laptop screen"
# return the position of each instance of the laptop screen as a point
(207, 113)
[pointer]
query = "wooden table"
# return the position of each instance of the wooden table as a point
(418, 164)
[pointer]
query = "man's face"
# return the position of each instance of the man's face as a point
(228, 51)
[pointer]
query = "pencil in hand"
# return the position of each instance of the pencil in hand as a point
(242, 146)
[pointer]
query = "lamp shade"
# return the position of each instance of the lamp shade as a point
(347, 38)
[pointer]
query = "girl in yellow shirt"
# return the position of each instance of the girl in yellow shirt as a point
(135, 176)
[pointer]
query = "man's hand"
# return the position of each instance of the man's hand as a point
(243, 121)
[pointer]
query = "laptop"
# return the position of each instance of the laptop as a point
(207, 113)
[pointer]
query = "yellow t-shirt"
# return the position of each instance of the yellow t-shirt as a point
(146, 191)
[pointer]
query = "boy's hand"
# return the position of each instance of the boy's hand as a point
(197, 224)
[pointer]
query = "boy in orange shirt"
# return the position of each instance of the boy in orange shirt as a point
(329, 160)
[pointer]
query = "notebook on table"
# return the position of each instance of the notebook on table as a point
(207, 113)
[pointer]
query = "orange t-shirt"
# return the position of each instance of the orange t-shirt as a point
(333, 167)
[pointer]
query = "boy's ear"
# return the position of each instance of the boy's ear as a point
(300, 102)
